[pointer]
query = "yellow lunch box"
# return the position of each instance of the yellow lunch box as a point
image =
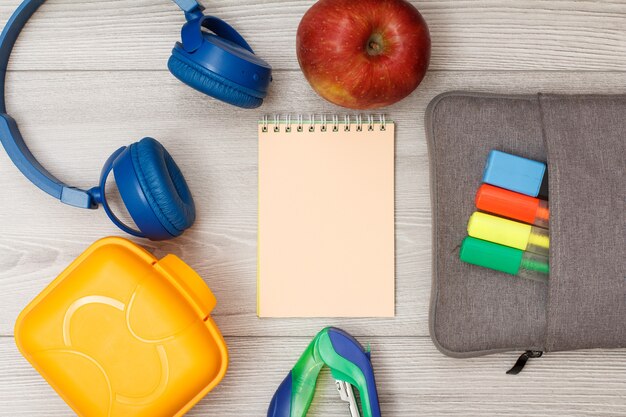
(120, 333)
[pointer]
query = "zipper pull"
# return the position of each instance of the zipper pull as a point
(521, 361)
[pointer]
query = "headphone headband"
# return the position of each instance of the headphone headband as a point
(10, 136)
(191, 8)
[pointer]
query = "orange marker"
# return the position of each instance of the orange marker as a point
(513, 205)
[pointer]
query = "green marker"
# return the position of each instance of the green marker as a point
(506, 259)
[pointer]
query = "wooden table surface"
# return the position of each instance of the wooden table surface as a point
(90, 76)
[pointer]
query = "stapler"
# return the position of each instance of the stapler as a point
(349, 364)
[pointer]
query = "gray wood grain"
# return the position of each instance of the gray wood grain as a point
(467, 35)
(413, 379)
(90, 76)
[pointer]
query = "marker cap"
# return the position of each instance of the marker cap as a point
(491, 255)
(507, 203)
(514, 173)
(498, 230)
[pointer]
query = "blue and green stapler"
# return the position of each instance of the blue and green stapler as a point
(349, 364)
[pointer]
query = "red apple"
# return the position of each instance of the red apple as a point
(363, 54)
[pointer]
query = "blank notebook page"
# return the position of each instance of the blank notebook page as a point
(326, 221)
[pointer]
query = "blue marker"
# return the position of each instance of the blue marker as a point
(516, 174)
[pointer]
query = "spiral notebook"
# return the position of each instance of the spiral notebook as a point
(326, 217)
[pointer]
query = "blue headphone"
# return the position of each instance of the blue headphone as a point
(220, 64)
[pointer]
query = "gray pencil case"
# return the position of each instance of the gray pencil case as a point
(477, 311)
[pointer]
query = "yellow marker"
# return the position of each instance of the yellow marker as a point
(509, 233)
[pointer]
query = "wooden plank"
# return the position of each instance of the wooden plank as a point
(412, 377)
(467, 35)
(83, 117)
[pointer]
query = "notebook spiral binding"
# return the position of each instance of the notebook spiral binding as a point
(323, 122)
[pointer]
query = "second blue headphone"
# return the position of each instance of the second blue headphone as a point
(220, 64)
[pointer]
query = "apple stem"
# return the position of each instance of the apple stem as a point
(375, 45)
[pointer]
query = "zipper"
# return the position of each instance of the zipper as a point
(521, 361)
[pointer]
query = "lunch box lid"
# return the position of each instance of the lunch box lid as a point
(120, 333)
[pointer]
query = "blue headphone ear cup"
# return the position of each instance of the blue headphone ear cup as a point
(164, 186)
(212, 84)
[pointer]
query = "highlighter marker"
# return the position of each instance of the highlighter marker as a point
(509, 233)
(516, 174)
(505, 259)
(515, 206)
